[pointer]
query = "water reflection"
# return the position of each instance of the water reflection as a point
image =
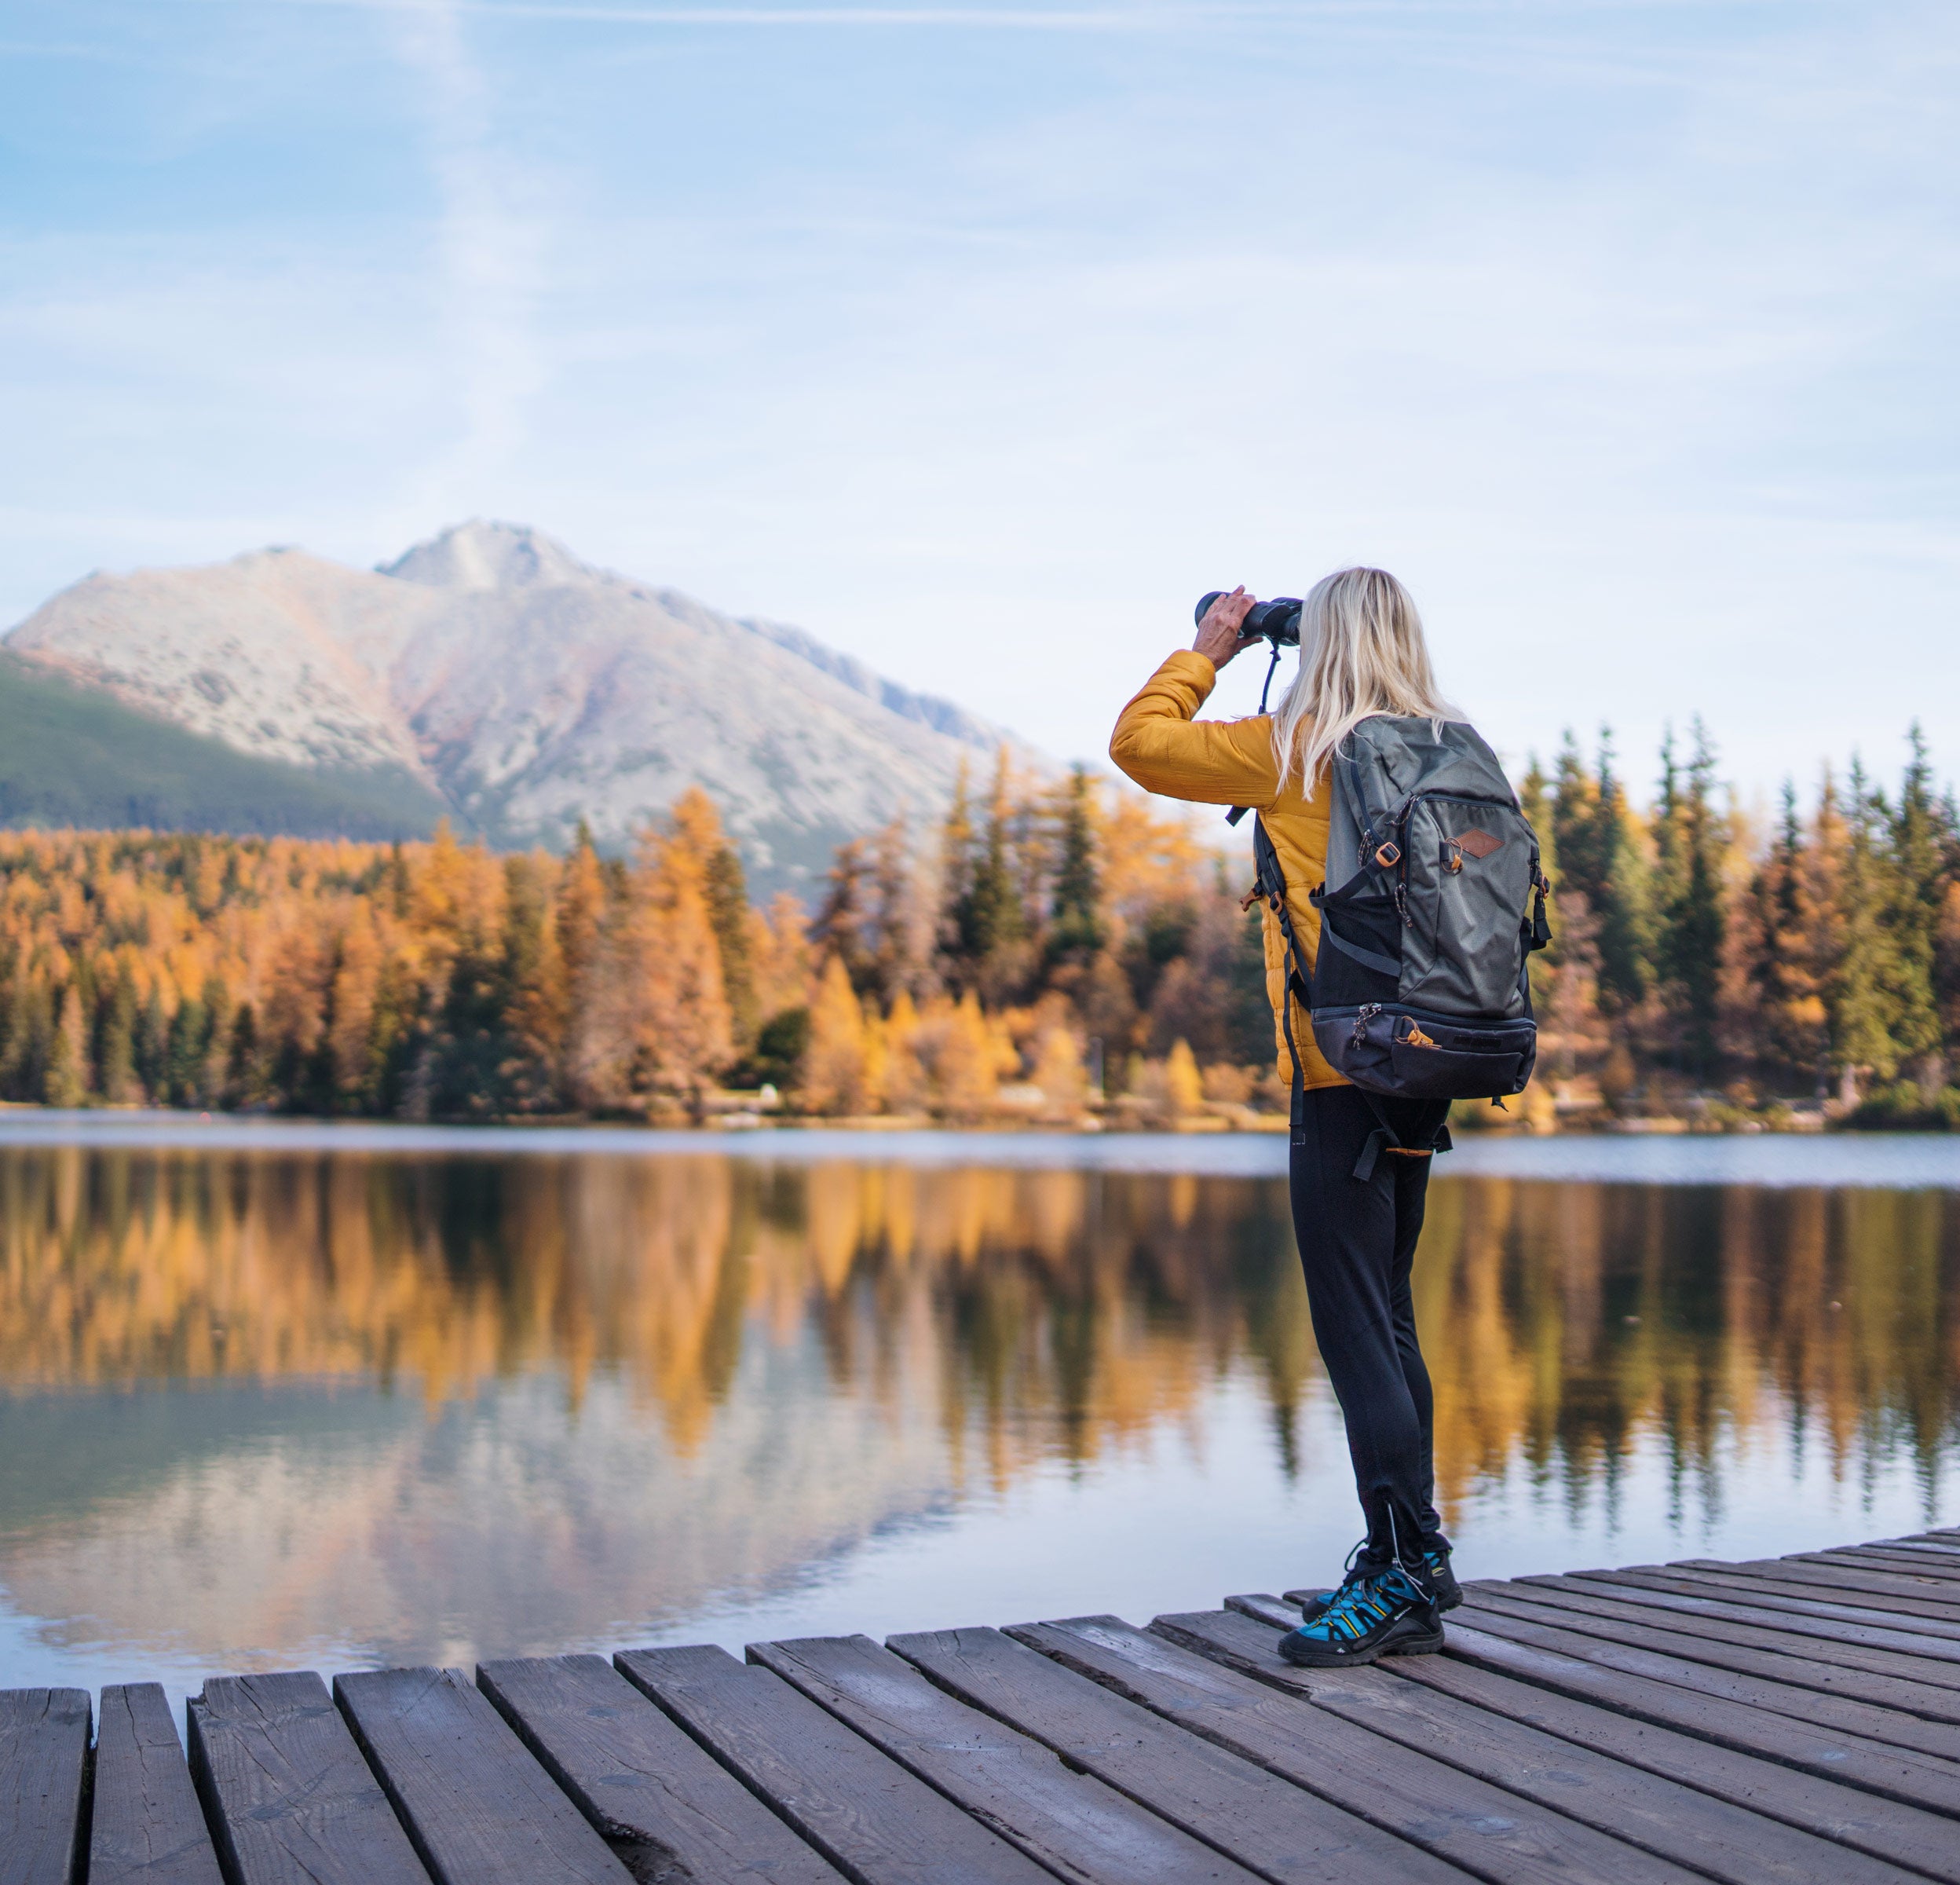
(267, 1407)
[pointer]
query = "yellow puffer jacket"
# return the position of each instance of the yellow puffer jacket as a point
(1160, 744)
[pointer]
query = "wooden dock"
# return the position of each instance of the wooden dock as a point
(1793, 1719)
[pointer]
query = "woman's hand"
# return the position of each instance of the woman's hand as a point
(1219, 638)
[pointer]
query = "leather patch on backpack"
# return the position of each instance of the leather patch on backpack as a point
(1478, 844)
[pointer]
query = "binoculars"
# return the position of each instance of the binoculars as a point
(1277, 620)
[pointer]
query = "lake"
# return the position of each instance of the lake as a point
(278, 1395)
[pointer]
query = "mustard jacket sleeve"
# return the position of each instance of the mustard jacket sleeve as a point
(1159, 745)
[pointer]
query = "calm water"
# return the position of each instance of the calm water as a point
(273, 1396)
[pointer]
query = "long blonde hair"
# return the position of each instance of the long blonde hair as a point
(1361, 652)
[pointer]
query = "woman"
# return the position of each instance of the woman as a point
(1362, 652)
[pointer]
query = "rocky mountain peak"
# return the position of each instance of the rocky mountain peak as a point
(483, 555)
(526, 690)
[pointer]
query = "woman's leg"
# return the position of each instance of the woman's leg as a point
(1411, 1186)
(1356, 1256)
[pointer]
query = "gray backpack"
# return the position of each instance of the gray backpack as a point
(1420, 989)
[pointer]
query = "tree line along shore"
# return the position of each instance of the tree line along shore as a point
(1054, 952)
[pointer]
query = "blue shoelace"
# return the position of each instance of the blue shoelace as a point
(1363, 1604)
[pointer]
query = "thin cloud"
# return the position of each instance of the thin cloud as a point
(490, 253)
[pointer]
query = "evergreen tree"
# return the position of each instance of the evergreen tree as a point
(1863, 1010)
(1915, 903)
(152, 1050)
(1790, 930)
(846, 922)
(990, 921)
(1076, 929)
(189, 1040)
(1690, 841)
(1600, 865)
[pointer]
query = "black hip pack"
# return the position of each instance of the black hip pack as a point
(1420, 988)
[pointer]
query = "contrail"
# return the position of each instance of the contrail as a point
(488, 252)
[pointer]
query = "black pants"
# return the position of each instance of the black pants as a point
(1357, 1243)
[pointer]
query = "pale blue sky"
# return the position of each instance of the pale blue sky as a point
(979, 339)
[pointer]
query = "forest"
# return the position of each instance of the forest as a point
(1054, 949)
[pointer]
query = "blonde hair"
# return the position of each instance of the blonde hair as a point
(1361, 652)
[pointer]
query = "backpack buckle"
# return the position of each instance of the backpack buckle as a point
(1389, 855)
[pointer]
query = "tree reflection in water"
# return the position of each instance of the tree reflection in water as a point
(1025, 1316)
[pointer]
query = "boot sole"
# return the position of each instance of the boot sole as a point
(1415, 1642)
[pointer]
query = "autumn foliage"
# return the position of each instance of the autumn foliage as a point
(441, 980)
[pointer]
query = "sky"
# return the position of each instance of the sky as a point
(979, 339)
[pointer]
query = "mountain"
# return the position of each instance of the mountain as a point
(491, 673)
(73, 756)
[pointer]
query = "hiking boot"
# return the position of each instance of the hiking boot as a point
(1389, 1613)
(1449, 1593)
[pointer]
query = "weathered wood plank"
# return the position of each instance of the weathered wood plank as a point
(1797, 1665)
(1708, 1832)
(1214, 1793)
(880, 1824)
(479, 1808)
(1910, 1837)
(146, 1828)
(1936, 1741)
(1927, 1541)
(1803, 1600)
(1915, 1560)
(1499, 1833)
(44, 1753)
(287, 1795)
(1898, 1773)
(643, 1781)
(1937, 1659)
(1923, 1592)
(1070, 1822)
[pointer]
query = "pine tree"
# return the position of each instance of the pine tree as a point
(1076, 930)
(1600, 862)
(1690, 841)
(846, 927)
(1915, 900)
(1791, 929)
(990, 921)
(1863, 1010)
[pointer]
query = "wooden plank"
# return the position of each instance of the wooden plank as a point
(1457, 1817)
(1935, 1739)
(287, 1795)
(1921, 1551)
(1798, 1664)
(1852, 1646)
(874, 1820)
(1070, 1822)
(1217, 1794)
(648, 1785)
(1708, 1832)
(1938, 1659)
(146, 1827)
(1909, 1836)
(44, 1755)
(1898, 1773)
(1943, 1567)
(1804, 1599)
(480, 1809)
(1921, 1591)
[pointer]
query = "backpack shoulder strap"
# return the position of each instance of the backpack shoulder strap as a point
(1270, 884)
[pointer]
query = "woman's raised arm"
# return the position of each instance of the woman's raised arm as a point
(1160, 744)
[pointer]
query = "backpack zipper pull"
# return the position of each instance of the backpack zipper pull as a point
(1363, 1014)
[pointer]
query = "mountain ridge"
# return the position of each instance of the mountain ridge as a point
(527, 690)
